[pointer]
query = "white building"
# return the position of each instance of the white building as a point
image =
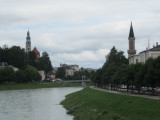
(143, 56)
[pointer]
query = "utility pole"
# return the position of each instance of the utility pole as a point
(83, 78)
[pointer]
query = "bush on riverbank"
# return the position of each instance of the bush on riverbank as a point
(8, 75)
(90, 104)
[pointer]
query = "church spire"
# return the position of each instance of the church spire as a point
(131, 33)
(131, 39)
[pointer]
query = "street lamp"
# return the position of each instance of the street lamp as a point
(83, 78)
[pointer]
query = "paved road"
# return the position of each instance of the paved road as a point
(129, 94)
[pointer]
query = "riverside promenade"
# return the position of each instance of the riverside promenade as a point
(126, 93)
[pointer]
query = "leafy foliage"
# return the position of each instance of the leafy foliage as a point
(32, 58)
(8, 75)
(116, 71)
(15, 56)
(26, 63)
(44, 63)
(60, 73)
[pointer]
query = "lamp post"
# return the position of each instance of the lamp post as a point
(83, 78)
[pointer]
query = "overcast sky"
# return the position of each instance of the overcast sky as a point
(79, 32)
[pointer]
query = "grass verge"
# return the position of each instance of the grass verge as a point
(89, 104)
(76, 84)
(27, 86)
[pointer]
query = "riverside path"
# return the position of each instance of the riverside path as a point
(124, 93)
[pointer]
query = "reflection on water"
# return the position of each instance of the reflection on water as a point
(35, 104)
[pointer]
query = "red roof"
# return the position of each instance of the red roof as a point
(36, 51)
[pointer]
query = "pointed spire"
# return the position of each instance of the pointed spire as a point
(28, 32)
(131, 33)
(28, 36)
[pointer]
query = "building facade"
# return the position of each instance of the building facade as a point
(42, 74)
(5, 64)
(70, 69)
(37, 53)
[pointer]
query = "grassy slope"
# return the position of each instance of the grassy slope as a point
(27, 86)
(90, 104)
(76, 84)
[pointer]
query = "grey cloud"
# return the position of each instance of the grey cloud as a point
(70, 28)
(7, 20)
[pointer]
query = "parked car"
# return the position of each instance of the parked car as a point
(146, 89)
(132, 88)
(149, 89)
(158, 90)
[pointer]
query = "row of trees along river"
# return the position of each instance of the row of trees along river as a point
(27, 63)
(116, 71)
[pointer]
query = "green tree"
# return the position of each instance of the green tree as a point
(123, 71)
(60, 73)
(3, 54)
(21, 77)
(153, 72)
(149, 76)
(7, 75)
(110, 68)
(97, 78)
(139, 76)
(157, 71)
(32, 58)
(17, 57)
(44, 63)
(32, 74)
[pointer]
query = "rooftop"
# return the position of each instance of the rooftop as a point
(36, 51)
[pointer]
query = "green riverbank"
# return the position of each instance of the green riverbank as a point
(89, 104)
(36, 86)
(27, 86)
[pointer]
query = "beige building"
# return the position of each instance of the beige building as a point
(15, 68)
(70, 69)
(42, 75)
(5, 64)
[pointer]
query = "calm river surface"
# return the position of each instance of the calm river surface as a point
(35, 104)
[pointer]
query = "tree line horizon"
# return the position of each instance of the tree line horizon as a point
(117, 71)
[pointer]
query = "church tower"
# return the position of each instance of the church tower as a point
(131, 39)
(28, 42)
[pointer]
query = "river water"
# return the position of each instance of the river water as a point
(34, 104)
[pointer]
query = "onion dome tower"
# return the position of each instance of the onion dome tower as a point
(28, 42)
